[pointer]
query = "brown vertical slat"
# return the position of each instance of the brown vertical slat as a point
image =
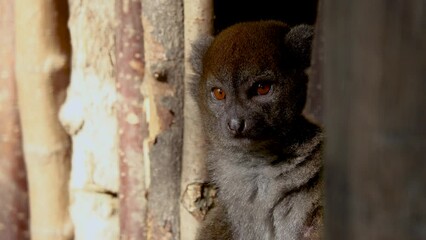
(132, 123)
(13, 183)
(375, 73)
(163, 89)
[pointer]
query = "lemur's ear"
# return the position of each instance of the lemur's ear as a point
(199, 48)
(299, 42)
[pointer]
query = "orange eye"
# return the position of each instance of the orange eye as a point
(218, 93)
(263, 88)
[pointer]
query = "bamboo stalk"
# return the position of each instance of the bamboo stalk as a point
(42, 73)
(198, 22)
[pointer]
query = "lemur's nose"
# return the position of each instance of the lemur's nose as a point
(236, 126)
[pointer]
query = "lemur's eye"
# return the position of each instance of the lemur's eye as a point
(263, 88)
(218, 93)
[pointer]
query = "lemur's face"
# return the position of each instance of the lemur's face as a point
(251, 86)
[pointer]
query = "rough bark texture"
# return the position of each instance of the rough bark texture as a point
(42, 73)
(89, 115)
(375, 68)
(194, 203)
(163, 92)
(132, 123)
(13, 183)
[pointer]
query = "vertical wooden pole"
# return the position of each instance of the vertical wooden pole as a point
(42, 73)
(90, 116)
(132, 124)
(194, 205)
(13, 183)
(163, 92)
(375, 72)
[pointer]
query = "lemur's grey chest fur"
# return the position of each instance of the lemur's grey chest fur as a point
(277, 200)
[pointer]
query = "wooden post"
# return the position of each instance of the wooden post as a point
(375, 73)
(132, 124)
(90, 117)
(42, 73)
(163, 93)
(194, 205)
(13, 183)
